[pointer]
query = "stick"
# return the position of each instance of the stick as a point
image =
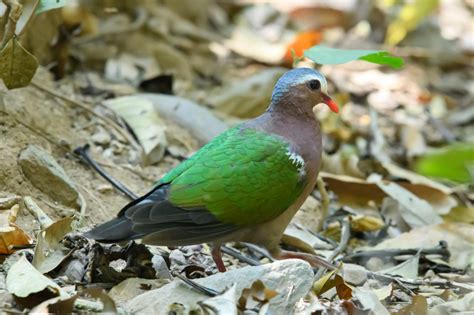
(345, 236)
(37, 212)
(196, 286)
(13, 16)
(83, 152)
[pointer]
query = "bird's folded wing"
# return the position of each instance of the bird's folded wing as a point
(244, 178)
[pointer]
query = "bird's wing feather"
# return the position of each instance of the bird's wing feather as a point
(241, 178)
(246, 177)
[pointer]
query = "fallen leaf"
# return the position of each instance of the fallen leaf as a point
(23, 280)
(358, 192)
(256, 297)
(225, 303)
(415, 211)
(56, 305)
(10, 233)
(66, 304)
(464, 304)
(145, 122)
(17, 65)
(369, 301)
(458, 236)
(326, 282)
(418, 305)
(383, 292)
(49, 252)
(302, 41)
(131, 287)
(407, 269)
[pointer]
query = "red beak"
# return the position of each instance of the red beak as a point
(329, 102)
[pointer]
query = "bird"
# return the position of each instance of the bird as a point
(243, 186)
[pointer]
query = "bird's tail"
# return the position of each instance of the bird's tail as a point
(114, 231)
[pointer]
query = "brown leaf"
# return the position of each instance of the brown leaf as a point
(17, 65)
(10, 233)
(256, 296)
(418, 306)
(49, 252)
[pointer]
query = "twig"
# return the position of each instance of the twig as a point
(83, 152)
(5, 16)
(86, 108)
(345, 236)
(37, 212)
(30, 18)
(441, 249)
(393, 279)
(196, 286)
(236, 254)
(324, 201)
(82, 212)
(13, 17)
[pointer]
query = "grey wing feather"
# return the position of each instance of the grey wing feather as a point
(153, 218)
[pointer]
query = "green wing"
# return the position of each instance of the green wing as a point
(242, 177)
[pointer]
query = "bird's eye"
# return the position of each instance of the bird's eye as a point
(314, 85)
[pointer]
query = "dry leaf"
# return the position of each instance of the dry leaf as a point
(257, 296)
(225, 303)
(49, 252)
(146, 124)
(23, 280)
(358, 192)
(17, 65)
(459, 237)
(10, 233)
(407, 269)
(369, 301)
(415, 211)
(418, 305)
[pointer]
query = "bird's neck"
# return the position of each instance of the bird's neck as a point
(295, 121)
(291, 107)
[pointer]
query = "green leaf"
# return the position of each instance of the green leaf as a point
(46, 5)
(17, 65)
(330, 56)
(454, 163)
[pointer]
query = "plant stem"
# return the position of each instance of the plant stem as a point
(5, 16)
(13, 17)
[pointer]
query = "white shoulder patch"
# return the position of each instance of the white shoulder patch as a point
(297, 160)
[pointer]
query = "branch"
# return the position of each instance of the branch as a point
(13, 17)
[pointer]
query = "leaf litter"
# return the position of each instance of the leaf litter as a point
(395, 208)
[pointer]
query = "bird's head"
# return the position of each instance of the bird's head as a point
(303, 84)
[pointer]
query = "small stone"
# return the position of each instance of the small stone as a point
(354, 274)
(101, 137)
(104, 188)
(8, 201)
(47, 175)
(291, 278)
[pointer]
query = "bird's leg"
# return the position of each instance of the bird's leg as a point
(217, 257)
(313, 260)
